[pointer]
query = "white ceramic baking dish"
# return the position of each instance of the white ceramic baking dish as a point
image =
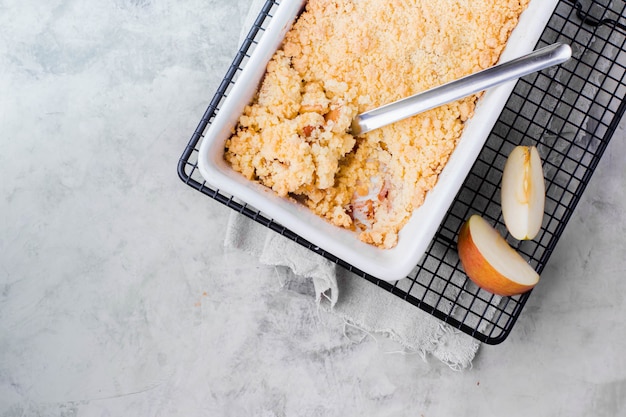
(414, 239)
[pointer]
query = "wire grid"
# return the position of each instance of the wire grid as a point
(569, 112)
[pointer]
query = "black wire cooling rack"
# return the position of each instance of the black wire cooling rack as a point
(569, 112)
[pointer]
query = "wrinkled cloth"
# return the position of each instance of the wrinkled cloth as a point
(357, 301)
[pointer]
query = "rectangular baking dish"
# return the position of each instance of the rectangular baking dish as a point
(386, 264)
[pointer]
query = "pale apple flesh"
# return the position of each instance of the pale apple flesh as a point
(523, 193)
(490, 262)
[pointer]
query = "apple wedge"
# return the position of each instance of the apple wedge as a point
(491, 262)
(523, 193)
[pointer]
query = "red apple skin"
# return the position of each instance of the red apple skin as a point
(480, 271)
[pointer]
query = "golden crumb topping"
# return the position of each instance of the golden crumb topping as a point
(344, 57)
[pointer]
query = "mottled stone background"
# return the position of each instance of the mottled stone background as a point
(117, 297)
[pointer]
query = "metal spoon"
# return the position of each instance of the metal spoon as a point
(535, 61)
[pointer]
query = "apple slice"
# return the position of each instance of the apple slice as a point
(491, 262)
(523, 193)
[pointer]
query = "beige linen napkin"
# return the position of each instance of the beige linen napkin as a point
(359, 302)
(356, 300)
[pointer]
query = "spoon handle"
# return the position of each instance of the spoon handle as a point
(535, 61)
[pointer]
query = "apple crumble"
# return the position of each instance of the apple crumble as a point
(342, 58)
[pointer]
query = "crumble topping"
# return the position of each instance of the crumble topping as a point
(342, 58)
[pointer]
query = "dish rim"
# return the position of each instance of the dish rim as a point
(415, 237)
